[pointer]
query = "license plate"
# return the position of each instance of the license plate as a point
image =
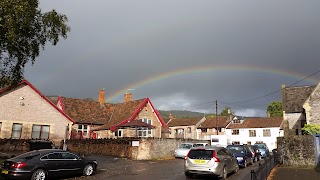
(4, 171)
(196, 161)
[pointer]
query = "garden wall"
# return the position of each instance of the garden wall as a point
(296, 151)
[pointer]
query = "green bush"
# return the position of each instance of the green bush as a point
(311, 129)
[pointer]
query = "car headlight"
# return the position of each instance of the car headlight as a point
(239, 158)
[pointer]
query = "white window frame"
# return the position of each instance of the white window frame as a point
(254, 132)
(41, 132)
(267, 133)
(117, 132)
(20, 131)
(145, 132)
(83, 130)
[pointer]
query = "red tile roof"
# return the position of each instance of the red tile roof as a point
(210, 122)
(258, 122)
(184, 121)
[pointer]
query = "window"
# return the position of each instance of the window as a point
(83, 129)
(235, 132)
(0, 126)
(236, 121)
(266, 133)
(40, 131)
(203, 130)
(252, 133)
(145, 132)
(16, 131)
(235, 142)
(118, 133)
(249, 142)
(69, 156)
(189, 130)
(54, 156)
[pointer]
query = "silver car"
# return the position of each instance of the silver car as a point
(211, 160)
(183, 150)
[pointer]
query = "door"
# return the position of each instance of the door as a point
(53, 164)
(71, 162)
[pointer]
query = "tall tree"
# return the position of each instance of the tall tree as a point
(24, 30)
(275, 109)
(226, 111)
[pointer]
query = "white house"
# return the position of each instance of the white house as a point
(255, 130)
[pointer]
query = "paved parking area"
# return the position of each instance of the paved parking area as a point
(119, 169)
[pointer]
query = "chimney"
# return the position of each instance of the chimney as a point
(127, 96)
(170, 116)
(284, 98)
(101, 96)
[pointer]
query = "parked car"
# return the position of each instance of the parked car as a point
(210, 160)
(263, 148)
(242, 153)
(40, 164)
(255, 153)
(183, 150)
(200, 144)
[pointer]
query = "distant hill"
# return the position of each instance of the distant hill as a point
(180, 113)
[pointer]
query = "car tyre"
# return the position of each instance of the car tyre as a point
(39, 174)
(188, 175)
(236, 170)
(245, 164)
(224, 173)
(88, 170)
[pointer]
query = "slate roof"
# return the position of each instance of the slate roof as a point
(184, 121)
(222, 122)
(293, 98)
(258, 122)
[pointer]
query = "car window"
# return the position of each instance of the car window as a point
(200, 154)
(54, 156)
(187, 146)
(222, 152)
(235, 149)
(69, 156)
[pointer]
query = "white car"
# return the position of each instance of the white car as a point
(183, 150)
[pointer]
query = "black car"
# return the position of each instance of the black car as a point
(41, 164)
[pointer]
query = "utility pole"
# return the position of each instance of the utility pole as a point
(217, 117)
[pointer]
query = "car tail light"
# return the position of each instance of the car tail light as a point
(185, 158)
(18, 165)
(214, 156)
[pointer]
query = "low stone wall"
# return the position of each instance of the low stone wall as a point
(11, 145)
(296, 151)
(149, 148)
(160, 148)
(108, 147)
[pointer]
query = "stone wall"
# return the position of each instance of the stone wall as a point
(149, 148)
(296, 151)
(108, 147)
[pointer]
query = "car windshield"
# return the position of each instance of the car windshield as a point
(197, 145)
(260, 146)
(235, 149)
(200, 154)
(186, 146)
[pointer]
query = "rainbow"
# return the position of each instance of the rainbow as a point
(211, 68)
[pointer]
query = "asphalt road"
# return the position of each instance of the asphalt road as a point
(119, 169)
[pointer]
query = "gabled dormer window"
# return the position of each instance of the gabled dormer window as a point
(236, 121)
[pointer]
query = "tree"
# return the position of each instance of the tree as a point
(311, 129)
(275, 109)
(226, 111)
(24, 29)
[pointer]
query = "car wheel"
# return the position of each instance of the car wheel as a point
(188, 175)
(224, 173)
(39, 174)
(237, 169)
(245, 164)
(88, 170)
